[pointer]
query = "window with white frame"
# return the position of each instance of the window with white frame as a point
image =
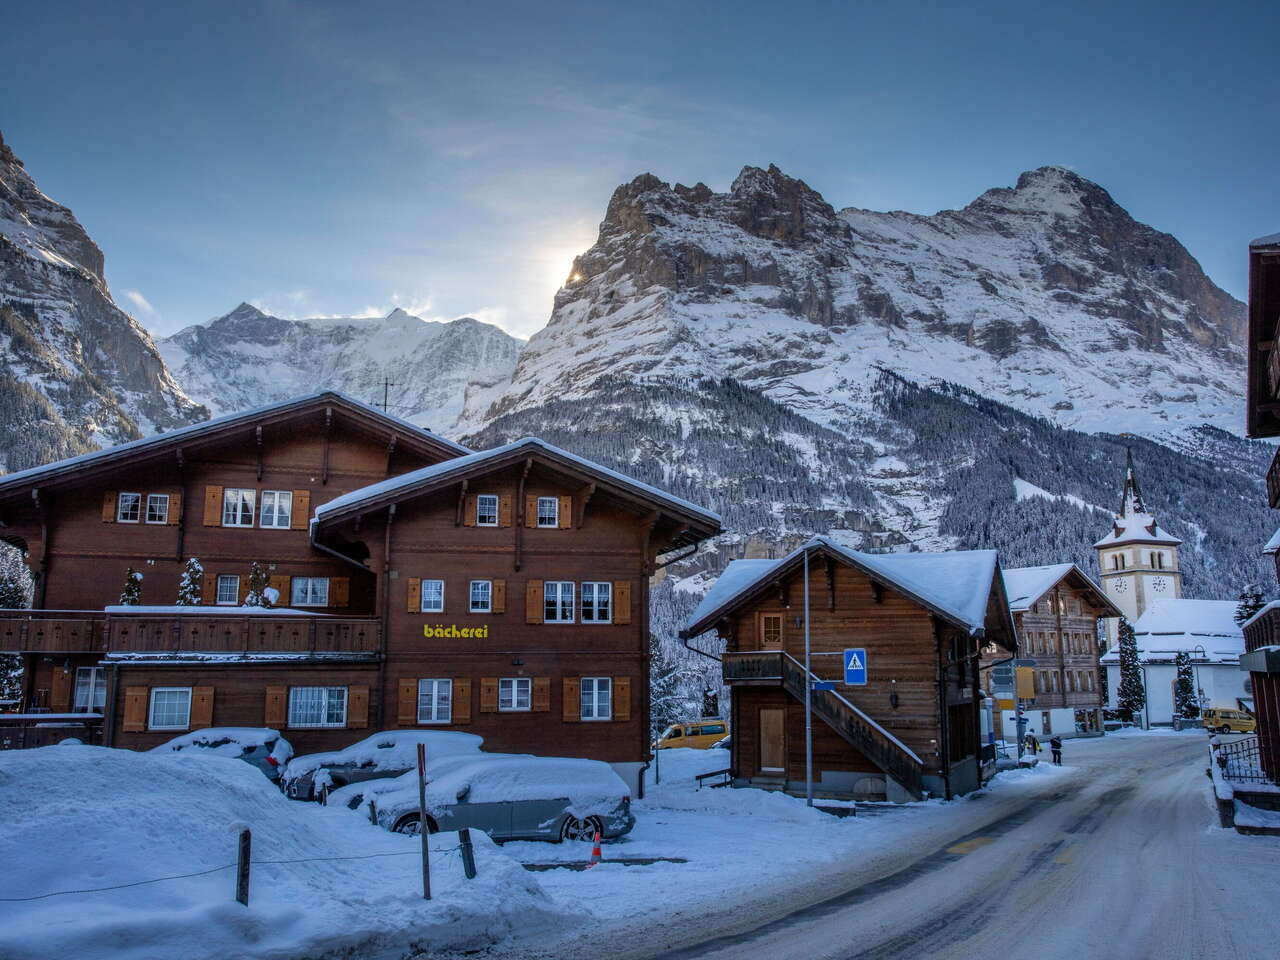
(317, 706)
(481, 596)
(128, 507)
(487, 510)
(596, 695)
(228, 594)
(557, 601)
(309, 592)
(513, 693)
(435, 701)
(277, 509)
(170, 708)
(432, 596)
(597, 602)
(157, 508)
(91, 690)
(237, 506)
(548, 511)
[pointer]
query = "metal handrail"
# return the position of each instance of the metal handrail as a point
(1241, 761)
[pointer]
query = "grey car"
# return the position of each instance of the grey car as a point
(260, 746)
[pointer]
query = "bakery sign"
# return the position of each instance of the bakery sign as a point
(454, 632)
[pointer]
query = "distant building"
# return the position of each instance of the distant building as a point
(1204, 629)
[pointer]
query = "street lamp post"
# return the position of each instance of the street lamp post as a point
(1200, 654)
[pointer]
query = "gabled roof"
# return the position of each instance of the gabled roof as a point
(197, 431)
(473, 464)
(1026, 585)
(955, 585)
(1172, 625)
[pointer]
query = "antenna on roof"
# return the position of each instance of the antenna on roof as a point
(386, 389)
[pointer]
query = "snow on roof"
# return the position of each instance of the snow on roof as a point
(1025, 585)
(957, 583)
(195, 428)
(1273, 545)
(390, 750)
(1136, 528)
(209, 610)
(1274, 604)
(1270, 240)
(1170, 626)
(463, 463)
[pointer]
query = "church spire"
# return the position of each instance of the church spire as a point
(1131, 503)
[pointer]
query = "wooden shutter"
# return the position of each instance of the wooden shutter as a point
(60, 692)
(109, 506)
(135, 709)
(622, 601)
(504, 510)
(533, 601)
(461, 700)
(339, 591)
(201, 707)
(284, 586)
(213, 506)
(244, 588)
(276, 712)
(209, 592)
(541, 700)
(415, 595)
(469, 511)
(572, 701)
(530, 511)
(175, 509)
(488, 694)
(565, 512)
(499, 596)
(407, 713)
(622, 698)
(300, 512)
(357, 708)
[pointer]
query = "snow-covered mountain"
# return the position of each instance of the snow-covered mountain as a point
(76, 371)
(247, 358)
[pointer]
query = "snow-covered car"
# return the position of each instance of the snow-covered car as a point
(260, 746)
(508, 796)
(383, 755)
(724, 743)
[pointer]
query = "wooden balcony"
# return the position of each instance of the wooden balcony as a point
(1263, 632)
(58, 631)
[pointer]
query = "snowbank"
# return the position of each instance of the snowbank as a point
(103, 817)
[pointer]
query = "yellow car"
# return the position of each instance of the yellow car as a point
(1228, 721)
(699, 735)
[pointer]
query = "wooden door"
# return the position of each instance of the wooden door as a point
(770, 631)
(773, 746)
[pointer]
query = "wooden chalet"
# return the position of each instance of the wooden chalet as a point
(393, 553)
(923, 619)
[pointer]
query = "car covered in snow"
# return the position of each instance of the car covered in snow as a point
(260, 746)
(381, 756)
(508, 796)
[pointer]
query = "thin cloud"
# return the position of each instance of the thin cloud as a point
(138, 300)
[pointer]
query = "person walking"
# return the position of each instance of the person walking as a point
(1033, 745)
(1055, 745)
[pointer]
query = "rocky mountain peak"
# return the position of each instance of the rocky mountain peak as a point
(245, 311)
(774, 206)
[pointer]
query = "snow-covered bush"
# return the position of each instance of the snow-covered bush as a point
(131, 595)
(258, 589)
(191, 585)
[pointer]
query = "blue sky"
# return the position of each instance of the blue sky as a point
(343, 159)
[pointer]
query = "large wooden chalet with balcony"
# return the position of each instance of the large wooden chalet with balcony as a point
(922, 619)
(418, 584)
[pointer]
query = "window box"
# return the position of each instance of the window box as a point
(158, 508)
(317, 706)
(128, 508)
(435, 701)
(514, 694)
(170, 708)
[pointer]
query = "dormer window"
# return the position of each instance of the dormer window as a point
(487, 510)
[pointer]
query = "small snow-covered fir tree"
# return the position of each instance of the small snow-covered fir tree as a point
(15, 580)
(131, 596)
(257, 595)
(668, 676)
(1132, 695)
(1185, 704)
(1251, 601)
(191, 584)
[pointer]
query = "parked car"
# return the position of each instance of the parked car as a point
(382, 756)
(260, 746)
(724, 743)
(1228, 721)
(699, 734)
(508, 796)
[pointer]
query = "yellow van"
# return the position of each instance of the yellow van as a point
(1228, 721)
(699, 735)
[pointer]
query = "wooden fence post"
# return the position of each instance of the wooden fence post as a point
(468, 853)
(423, 831)
(242, 868)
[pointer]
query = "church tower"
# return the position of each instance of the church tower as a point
(1137, 560)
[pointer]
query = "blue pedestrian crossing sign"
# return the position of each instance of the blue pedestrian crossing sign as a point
(855, 666)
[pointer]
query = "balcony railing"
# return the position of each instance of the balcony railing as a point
(54, 631)
(1263, 631)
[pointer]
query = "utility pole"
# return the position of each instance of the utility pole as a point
(808, 693)
(386, 389)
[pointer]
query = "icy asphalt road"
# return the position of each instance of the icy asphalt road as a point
(1120, 857)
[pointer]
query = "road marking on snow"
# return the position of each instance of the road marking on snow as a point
(968, 846)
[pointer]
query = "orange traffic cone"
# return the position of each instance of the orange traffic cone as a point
(596, 855)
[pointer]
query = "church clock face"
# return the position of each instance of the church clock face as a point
(1119, 586)
(1160, 584)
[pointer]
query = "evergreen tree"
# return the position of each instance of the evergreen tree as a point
(668, 677)
(1251, 601)
(1132, 695)
(258, 583)
(15, 580)
(191, 585)
(131, 596)
(1185, 704)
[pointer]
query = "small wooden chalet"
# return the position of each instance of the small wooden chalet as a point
(922, 619)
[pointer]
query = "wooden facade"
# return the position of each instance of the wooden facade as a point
(912, 729)
(352, 653)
